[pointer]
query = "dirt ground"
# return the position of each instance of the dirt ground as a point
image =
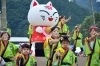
(41, 61)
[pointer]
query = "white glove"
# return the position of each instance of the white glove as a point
(39, 30)
(0, 59)
(2, 62)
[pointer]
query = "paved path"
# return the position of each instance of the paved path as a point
(41, 61)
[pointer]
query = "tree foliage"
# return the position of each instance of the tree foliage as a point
(17, 11)
(86, 4)
(0, 5)
(88, 21)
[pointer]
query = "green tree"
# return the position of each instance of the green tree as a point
(0, 5)
(17, 11)
(88, 21)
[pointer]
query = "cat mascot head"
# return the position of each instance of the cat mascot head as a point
(42, 14)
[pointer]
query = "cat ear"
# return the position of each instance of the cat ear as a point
(49, 3)
(34, 3)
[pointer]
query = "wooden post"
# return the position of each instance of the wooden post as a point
(3, 16)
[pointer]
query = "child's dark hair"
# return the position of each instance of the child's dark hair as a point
(5, 33)
(64, 38)
(25, 46)
(53, 28)
(61, 17)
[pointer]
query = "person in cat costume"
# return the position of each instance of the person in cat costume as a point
(92, 47)
(41, 16)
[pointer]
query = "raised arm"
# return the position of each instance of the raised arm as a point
(69, 18)
(53, 41)
(94, 36)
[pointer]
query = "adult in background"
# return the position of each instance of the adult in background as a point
(64, 29)
(92, 47)
(77, 37)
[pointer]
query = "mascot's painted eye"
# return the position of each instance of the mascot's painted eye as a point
(43, 17)
(54, 13)
(56, 19)
(44, 11)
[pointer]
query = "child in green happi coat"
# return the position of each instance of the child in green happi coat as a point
(67, 58)
(24, 59)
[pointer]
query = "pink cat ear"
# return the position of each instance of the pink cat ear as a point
(34, 3)
(49, 3)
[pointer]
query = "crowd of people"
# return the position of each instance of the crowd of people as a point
(56, 48)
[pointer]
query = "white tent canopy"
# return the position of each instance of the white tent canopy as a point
(98, 1)
(19, 39)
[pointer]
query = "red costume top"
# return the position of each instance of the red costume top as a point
(37, 37)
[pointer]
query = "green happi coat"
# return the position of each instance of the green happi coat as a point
(49, 51)
(27, 62)
(92, 49)
(64, 28)
(10, 52)
(31, 61)
(30, 31)
(77, 37)
(68, 59)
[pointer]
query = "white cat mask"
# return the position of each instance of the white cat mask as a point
(42, 15)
